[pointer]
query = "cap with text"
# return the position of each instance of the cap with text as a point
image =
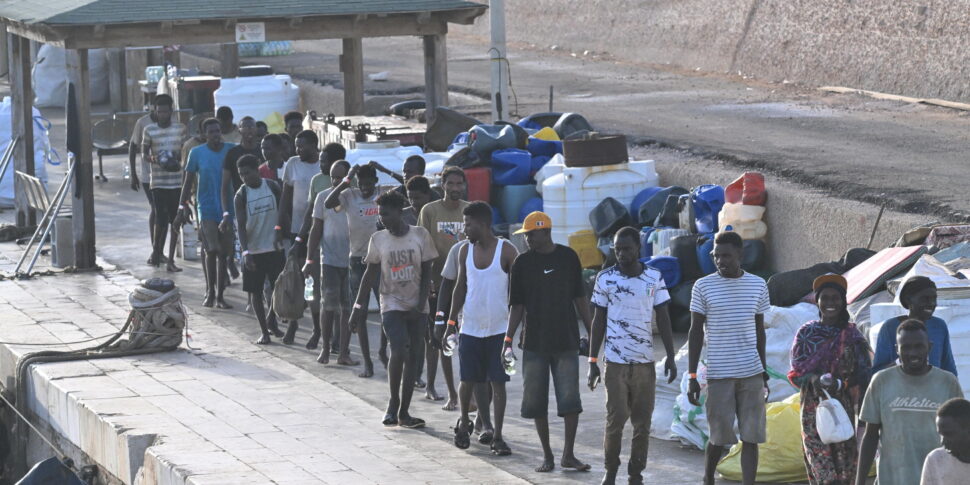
(535, 220)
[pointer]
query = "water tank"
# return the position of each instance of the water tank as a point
(569, 195)
(388, 153)
(265, 98)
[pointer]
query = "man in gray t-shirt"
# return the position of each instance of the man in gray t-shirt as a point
(330, 232)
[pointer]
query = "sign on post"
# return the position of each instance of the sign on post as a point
(251, 32)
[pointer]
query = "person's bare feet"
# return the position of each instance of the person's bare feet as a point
(573, 463)
(263, 340)
(314, 340)
(432, 395)
(290, 332)
(368, 370)
(347, 361)
(548, 465)
(220, 303)
(209, 301)
(451, 405)
(324, 357)
(171, 268)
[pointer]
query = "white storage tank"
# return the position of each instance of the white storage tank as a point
(388, 153)
(265, 98)
(569, 195)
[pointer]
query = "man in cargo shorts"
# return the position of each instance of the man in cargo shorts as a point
(729, 306)
(546, 289)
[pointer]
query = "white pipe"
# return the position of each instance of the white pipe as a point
(499, 61)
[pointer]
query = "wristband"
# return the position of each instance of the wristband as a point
(440, 314)
(225, 214)
(298, 239)
(452, 323)
(277, 228)
(508, 339)
(358, 306)
(692, 375)
(440, 321)
(592, 360)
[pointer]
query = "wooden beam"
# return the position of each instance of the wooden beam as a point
(116, 78)
(22, 122)
(352, 65)
(136, 60)
(40, 33)
(435, 74)
(216, 32)
(4, 58)
(230, 60)
(82, 194)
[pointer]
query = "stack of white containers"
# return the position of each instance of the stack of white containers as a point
(570, 193)
(744, 207)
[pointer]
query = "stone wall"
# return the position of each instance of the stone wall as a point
(915, 48)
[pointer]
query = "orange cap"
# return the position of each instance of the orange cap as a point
(533, 221)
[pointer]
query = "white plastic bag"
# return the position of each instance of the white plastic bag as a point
(832, 422)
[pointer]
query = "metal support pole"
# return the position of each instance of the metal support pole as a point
(499, 61)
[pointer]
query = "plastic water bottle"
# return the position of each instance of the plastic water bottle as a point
(827, 381)
(451, 343)
(308, 288)
(127, 172)
(509, 358)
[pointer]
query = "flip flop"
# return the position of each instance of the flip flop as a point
(485, 438)
(390, 420)
(461, 436)
(411, 422)
(499, 448)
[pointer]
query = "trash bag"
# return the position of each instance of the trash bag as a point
(781, 455)
(832, 422)
(447, 124)
(789, 287)
(288, 302)
(50, 472)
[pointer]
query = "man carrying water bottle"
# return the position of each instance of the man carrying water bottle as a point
(483, 283)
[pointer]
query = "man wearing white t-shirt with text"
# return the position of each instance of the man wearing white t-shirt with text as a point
(728, 309)
(624, 299)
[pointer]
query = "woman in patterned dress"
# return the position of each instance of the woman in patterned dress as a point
(830, 345)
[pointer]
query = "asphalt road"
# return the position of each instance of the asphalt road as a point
(911, 156)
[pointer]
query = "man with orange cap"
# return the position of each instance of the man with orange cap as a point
(546, 286)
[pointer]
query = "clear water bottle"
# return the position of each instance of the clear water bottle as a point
(451, 343)
(308, 288)
(127, 172)
(828, 382)
(508, 357)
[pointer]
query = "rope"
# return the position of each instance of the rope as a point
(156, 322)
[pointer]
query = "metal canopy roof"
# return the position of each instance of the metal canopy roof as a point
(118, 23)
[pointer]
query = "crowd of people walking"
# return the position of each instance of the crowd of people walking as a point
(447, 286)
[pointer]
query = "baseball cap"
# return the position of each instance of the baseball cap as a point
(838, 280)
(533, 221)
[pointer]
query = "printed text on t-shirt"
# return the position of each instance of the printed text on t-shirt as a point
(402, 265)
(453, 229)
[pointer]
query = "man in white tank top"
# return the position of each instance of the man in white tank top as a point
(483, 283)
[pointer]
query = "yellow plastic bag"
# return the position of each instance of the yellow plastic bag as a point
(274, 123)
(781, 456)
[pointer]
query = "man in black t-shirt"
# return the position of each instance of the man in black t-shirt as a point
(546, 285)
(249, 145)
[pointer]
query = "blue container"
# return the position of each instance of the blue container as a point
(708, 201)
(547, 148)
(511, 198)
(704, 258)
(668, 266)
(646, 247)
(511, 166)
(642, 197)
(532, 205)
(538, 161)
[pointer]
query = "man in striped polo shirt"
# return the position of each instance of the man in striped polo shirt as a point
(730, 306)
(161, 144)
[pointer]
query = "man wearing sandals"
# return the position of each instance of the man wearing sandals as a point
(483, 283)
(401, 257)
(546, 288)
